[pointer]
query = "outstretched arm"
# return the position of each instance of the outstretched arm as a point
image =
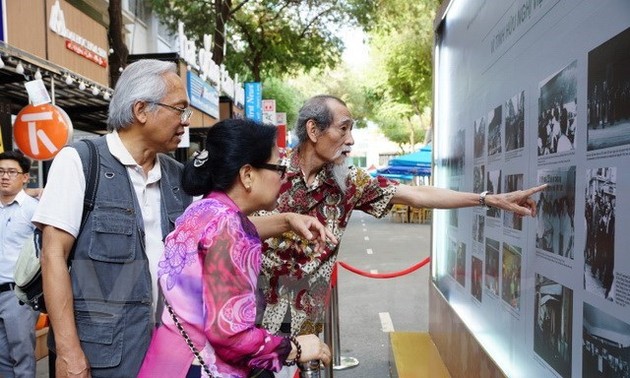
(519, 201)
(304, 225)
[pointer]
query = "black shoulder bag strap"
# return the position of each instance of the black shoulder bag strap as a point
(93, 164)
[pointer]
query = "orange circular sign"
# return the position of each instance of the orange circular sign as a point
(41, 131)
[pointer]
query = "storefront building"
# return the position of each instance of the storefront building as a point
(65, 44)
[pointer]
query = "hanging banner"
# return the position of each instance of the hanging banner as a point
(253, 101)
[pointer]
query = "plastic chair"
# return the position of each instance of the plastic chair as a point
(416, 215)
(400, 212)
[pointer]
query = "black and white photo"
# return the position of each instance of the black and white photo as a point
(515, 122)
(476, 278)
(599, 216)
(553, 324)
(480, 137)
(555, 218)
(511, 220)
(494, 131)
(557, 110)
(493, 185)
(608, 93)
(605, 345)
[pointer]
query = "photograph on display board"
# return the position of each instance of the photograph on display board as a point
(605, 345)
(493, 185)
(479, 173)
(492, 266)
(511, 275)
(457, 152)
(608, 94)
(511, 220)
(480, 137)
(476, 277)
(453, 217)
(515, 122)
(555, 226)
(479, 223)
(553, 317)
(599, 214)
(494, 131)
(457, 260)
(557, 107)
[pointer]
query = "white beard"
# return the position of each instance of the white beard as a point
(340, 174)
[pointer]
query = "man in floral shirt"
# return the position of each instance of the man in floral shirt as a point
(294, 278)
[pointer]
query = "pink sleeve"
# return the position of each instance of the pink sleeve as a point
(230, 272)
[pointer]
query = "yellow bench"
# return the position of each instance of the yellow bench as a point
(413, 355)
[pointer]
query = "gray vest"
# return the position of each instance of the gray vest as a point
(111, 282)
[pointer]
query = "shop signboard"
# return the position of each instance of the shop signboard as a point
(281, 122)
(73, 41)
(203, 96)
(269, 111)
(2, 21)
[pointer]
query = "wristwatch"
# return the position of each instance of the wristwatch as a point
(482, 199)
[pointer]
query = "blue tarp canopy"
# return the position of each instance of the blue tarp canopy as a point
(414, 164)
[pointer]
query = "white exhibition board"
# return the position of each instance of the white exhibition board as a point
(529, 92)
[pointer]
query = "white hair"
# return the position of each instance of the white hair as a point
(142, 80)
(340, 174)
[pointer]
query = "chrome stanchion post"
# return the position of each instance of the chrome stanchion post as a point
(309, 369)
(328, 339)
(332, 334)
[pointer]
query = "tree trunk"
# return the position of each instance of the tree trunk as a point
(222, 13)
(118, 58)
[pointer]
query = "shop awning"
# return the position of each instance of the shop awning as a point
(86, 108)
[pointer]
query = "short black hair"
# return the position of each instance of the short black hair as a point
(230, 144)
(17, 155)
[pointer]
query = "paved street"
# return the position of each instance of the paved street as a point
(393, 246)
(367, 304)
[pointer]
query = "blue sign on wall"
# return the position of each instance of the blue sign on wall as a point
(203, 96)
(253, 101)
(2, 37)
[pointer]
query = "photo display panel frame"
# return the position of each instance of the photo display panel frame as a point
(529, 92)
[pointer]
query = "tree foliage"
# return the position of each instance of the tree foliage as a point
(399, 89)
(340, 82)
(268, 38)
(288, 98)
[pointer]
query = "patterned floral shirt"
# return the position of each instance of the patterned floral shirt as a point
(293, 276)
(208, 275)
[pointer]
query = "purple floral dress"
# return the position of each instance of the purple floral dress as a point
(208, 274)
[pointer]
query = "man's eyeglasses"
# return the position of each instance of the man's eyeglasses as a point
(281, 169)
(184, 113)
(12, 173)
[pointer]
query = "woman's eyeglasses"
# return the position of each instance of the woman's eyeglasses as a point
(281, 169)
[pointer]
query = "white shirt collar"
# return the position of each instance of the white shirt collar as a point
(120, 152)
(19, 199)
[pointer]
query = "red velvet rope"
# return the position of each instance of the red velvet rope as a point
(386, 275)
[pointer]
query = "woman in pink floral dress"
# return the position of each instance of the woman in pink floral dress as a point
(210, 267)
